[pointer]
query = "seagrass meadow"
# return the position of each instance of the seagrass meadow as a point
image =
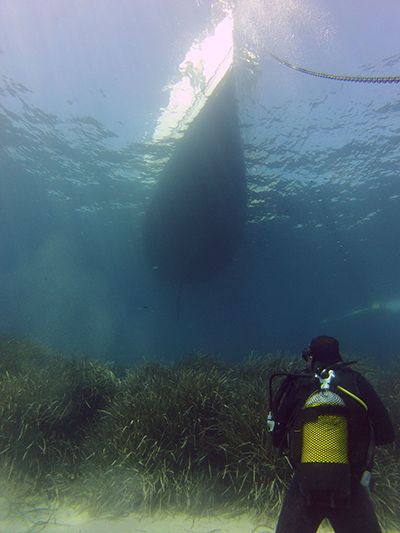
(187, 436)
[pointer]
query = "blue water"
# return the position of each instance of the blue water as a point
(80, 93)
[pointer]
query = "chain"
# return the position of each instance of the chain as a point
(357, 79)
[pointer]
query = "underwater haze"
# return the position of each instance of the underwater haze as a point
(82, 86)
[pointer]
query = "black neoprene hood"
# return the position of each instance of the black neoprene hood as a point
(324, 350)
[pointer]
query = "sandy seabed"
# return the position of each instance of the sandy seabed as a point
(66, 520)
(69, 521)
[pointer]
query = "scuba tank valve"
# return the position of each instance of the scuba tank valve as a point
(325, 378)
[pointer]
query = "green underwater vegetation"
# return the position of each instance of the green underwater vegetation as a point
(189, 435)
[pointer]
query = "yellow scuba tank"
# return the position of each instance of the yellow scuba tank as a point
(325, 434)
(324, 470)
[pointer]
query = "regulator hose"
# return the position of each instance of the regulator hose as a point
(357, 79)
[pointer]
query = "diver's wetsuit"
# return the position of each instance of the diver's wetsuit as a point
(355, 516)
(356, 513)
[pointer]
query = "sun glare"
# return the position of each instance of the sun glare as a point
(204, 66)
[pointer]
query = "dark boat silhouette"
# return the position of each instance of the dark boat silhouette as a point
(197, 211)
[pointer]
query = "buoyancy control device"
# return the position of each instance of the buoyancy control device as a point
(316, 433)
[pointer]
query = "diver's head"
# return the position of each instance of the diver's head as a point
(322, 352)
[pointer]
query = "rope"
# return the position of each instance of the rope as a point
(357, 79)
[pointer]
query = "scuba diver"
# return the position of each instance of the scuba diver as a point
(327, 421)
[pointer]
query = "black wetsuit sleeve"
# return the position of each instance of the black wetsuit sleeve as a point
(383, 427)
(288, 393)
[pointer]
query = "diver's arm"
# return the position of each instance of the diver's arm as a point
(283, 415)
(379, 416)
